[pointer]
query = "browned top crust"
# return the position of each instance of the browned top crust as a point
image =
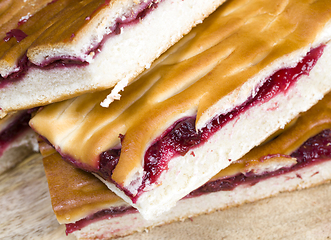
(77, 198)
(213, 69)
(84, 194)
(55, 29)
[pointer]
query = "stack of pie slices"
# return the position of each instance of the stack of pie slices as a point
(52, 50)
(141, 126)
(296, 158)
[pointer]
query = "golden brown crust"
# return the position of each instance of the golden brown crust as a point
(210, 75)
(52, 25)
(12, 12)
(82, 195)
(76, 25)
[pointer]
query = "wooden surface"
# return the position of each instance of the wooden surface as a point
(25, 213)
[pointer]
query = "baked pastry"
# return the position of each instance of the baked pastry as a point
(17, 139)
(55, 50)
(297, 158)
(246, 71)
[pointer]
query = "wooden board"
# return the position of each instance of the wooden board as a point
(26, 213)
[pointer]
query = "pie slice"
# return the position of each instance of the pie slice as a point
(244, 73)
(17, 139)
(296, 158)
(55, 50)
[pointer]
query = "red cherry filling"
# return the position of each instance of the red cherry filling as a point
(15, 33)
(103, 214)
(108, 162)
(14, 130)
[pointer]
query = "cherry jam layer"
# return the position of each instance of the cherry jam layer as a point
(313, 151)
(14, 130)
(15, 33)
(101, 215)
(24, 64)
(182, 136)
